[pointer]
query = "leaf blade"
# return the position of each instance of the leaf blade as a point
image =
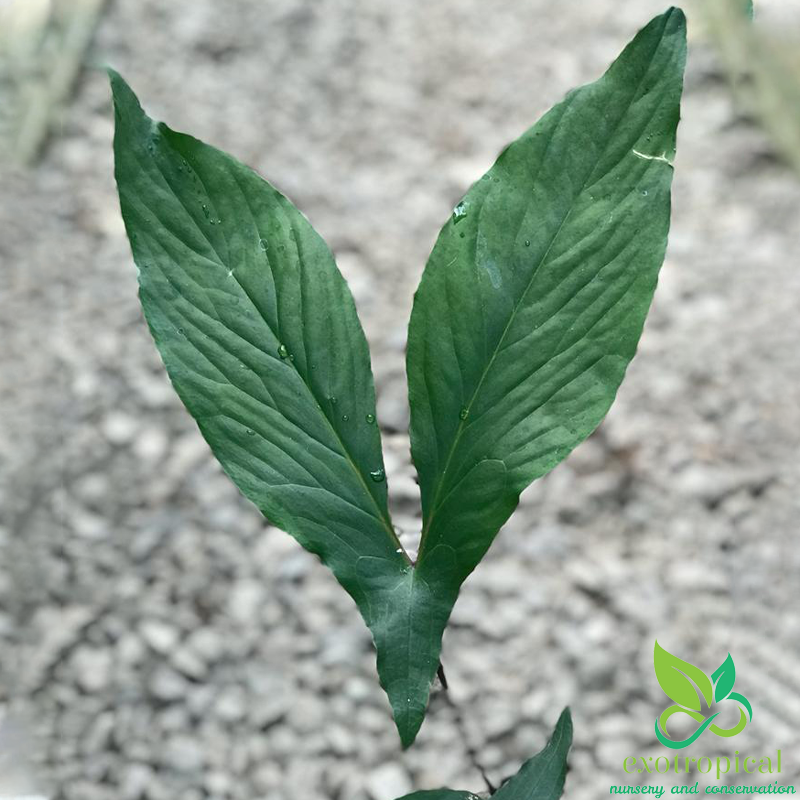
(511, 261)
(543, 776)
(261, 340)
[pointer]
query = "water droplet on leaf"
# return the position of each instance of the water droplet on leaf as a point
(262, 243)
(345, 418)
(370, 419)
(464, 413)
(527, 243)
(378, 475)
(283, 351)
(459, 212)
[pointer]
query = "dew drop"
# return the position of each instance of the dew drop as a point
(644, 193)
(459, 212)
(464, 413)
(345, 418)
(281, 247)
(527, 243)
(283, 351)
(333, 400)
(205, 210)
(251, 432)
(378, 475)
(462, 234)
(181, 331)
(370, 419)
(262, 243)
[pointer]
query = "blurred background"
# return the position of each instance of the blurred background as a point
(158, 639)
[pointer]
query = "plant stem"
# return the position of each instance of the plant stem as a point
(472, 753)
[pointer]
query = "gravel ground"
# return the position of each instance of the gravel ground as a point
(159, 640)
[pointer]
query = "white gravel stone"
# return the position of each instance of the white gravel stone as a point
(120, 428)
(183, 754)
(160, 636)
(93, 668)
(388, 782)
(167, 685)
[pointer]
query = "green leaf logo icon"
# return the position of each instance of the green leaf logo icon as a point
(678, 679)
(686, 684)
(724, 676)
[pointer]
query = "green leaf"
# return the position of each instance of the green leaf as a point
(533, 300)
(673, 675)
(724, 677)
(540, 778)
(750, 9)
(260, 337)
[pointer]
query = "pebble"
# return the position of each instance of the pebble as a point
(183, 754)
(167, 685)
(160, 636)
(93, 668)
(119, 428)
(388, 782)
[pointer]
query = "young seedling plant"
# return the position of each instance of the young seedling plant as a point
(528, 312)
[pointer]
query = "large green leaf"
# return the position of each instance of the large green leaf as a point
(540, 778)
(535, 294)
(260, 337)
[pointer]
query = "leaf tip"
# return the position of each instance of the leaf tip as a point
(564, 725)
(408, 735)
(125, 99)
(116, 80)
(675, 15)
